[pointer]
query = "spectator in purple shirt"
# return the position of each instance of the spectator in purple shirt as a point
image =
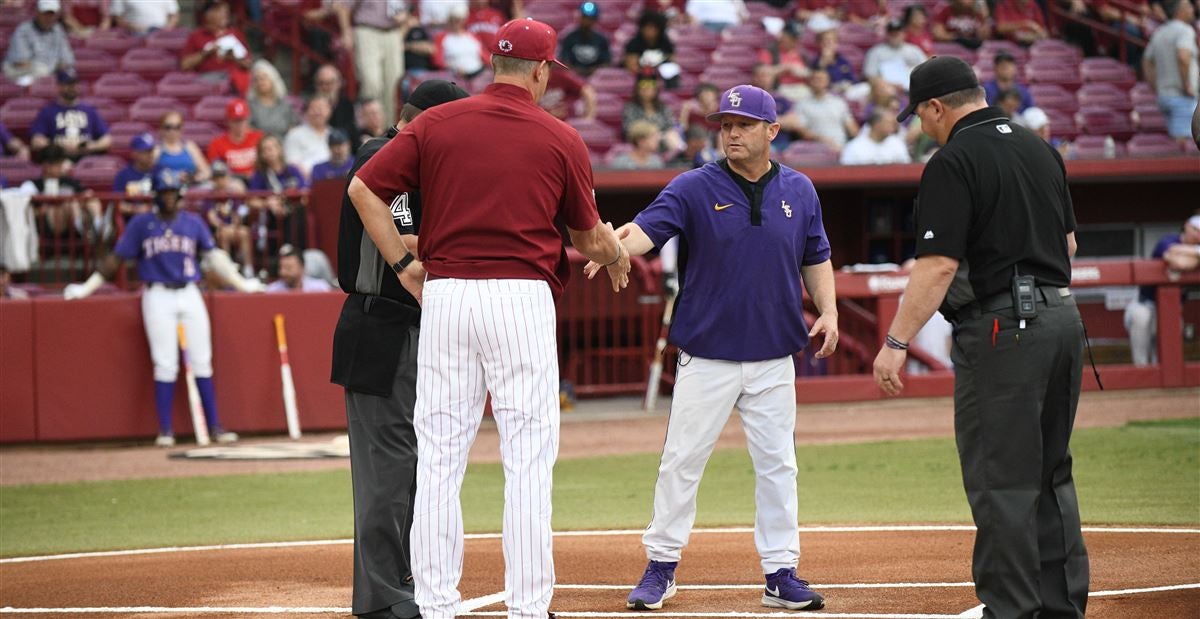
(137, 178)
(1004, 68)
(339, 158)
(273, 173)
(76, 127)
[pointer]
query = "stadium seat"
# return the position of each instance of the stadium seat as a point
(1054, 97)
(152, 64)
(1104, 121)
(189, 92)
(1152, 145)
(807, 154)
(1094, 147)
(1104, 95)
(201, 132)
(1142, 93)
(725, 77)
(92, 64)
(122, 87)
(598, 136)
(862, 37)
(956, 50)
(735, 56)
(614, 80)
(151, 109)
(1062, 124)
(113, 41)
(97, 172)
(991, 47)
(211, 108)
(692, 60)
(691, 39)
(1149, 118)
(16, 171)
(1054, 50)
(122, 132)
(1043, 72)
(9, 89)
(11, 17)
(609, 109)
(556, 16)
(168, 40)
(749, 34)
(1107, 70)
(18, 113)
(111, 111)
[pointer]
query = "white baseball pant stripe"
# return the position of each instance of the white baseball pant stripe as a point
(706, 390)
(477, 336)
(162, 309)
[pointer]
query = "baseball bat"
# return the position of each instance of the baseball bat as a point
(656, 366)
(198, 423)
(285, 376)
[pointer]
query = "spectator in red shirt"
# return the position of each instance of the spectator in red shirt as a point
(1020, 21)
(785, 58)
(563, 91)
(964, 22)
(483, 21)
(217, 50)
(238, 146)
(916, 28)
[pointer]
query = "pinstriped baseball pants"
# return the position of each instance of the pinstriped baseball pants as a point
(480, 336)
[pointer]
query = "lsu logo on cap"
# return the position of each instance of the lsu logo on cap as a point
(505, 45)
(735, 98)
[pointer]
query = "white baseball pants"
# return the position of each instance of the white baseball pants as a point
(164, 308)
(706, 390)
(481, 336)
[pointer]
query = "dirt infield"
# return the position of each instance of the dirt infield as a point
(859, 571)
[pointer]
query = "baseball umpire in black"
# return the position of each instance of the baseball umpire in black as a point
(994, 207)
(375, 359)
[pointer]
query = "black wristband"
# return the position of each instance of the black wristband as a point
(894, 343)
(403, 263)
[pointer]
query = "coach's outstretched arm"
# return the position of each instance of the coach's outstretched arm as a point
(633, 240)
(603, 247)
(377, 219)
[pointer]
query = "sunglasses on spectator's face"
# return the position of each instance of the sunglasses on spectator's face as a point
(172, 127)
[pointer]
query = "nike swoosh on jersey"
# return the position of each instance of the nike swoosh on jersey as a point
(721, 207)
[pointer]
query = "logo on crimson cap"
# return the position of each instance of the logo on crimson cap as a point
(505, 45)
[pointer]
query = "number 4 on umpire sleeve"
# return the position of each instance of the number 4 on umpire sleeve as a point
(400, 210)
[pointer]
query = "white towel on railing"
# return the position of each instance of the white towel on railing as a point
(18, 235)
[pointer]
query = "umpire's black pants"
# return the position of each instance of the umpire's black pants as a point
(1014, 406)
(383, 469)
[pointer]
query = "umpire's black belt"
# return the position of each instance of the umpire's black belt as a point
(1050, 295)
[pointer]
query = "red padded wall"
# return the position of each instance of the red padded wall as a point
(246, 360)
(17, 419)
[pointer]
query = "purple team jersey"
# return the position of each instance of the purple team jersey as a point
(740, 296)
(165, 252)
(69, 125)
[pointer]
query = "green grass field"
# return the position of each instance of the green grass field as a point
(1143, 473)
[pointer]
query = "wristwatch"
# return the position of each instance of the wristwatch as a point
(403, 263)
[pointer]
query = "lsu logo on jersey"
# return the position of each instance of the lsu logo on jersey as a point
(400, 210)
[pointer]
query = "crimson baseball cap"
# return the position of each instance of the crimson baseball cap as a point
(940, 75)
(749, 101)
(527, 39)
(237, 110)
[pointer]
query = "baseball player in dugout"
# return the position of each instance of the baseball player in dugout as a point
(375, 359)
(995, 197)
(165, 244)
(494, 171)
(743, 214)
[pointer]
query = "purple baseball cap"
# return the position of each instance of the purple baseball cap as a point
(746, 100)
(142, 142)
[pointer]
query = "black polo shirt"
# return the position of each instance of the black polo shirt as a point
(361, 268)
(996, 197)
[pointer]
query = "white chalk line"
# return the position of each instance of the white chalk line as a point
(856, 585)
(470, 607)
(599, 533)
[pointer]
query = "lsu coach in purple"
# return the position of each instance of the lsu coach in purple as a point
(749, 231)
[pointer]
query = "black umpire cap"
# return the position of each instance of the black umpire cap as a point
(431, 93)
(938, 76)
